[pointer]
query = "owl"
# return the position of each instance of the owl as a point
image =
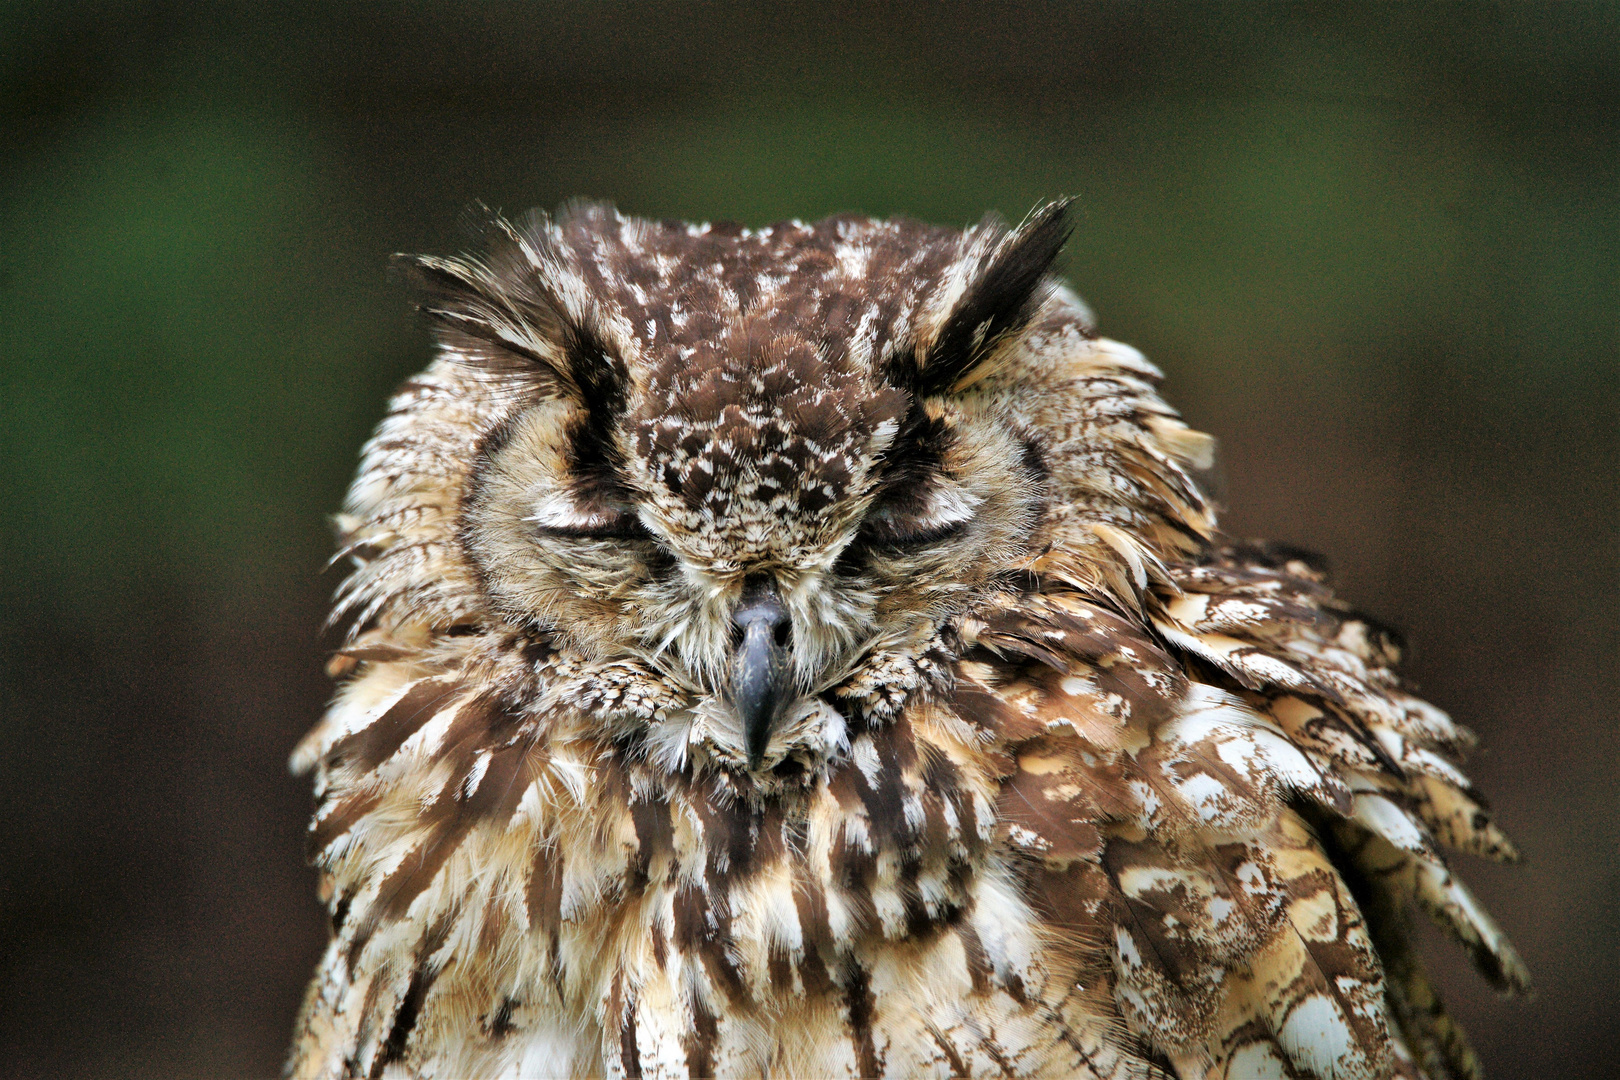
(808, 652)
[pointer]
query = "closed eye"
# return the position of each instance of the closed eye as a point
(621, 527)
(941, 511)
(561, 516)
(882, 527)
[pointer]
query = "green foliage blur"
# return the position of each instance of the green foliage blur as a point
(1376, 249)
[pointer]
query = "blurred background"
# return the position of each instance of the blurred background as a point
(1375, 248)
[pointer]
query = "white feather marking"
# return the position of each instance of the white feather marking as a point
(865, 756)
(1125, 946)
(1206, 793)
(1379, 815)
(782, 928)
(1257, 1061)
(574, 774)
(475, 775)
(1317, 1036)
(549, 1050)
(559, 511)
(1002, 920)
(883, 435)
(424, 742)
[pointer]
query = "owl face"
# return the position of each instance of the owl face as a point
(744, 462)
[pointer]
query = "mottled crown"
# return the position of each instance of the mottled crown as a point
(740, 378)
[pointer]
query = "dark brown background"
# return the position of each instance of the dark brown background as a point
(1375, 248)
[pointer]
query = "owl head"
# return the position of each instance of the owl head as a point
(760, 477)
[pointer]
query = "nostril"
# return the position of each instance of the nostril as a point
(783, 632)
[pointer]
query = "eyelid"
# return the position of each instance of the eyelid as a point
(946, 507)
(891, 535)
(559, 515)
(619, 527)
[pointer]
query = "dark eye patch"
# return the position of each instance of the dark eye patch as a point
(917, 504)
(917, 454)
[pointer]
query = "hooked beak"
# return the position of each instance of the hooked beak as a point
(761, 677)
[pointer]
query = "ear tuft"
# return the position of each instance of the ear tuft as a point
(999, 303)
(502, 313)
(474, 321)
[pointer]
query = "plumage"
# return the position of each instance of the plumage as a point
(809, 652)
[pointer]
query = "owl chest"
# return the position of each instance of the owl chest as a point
(822, 936)
(555, 912)
(754, 901)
